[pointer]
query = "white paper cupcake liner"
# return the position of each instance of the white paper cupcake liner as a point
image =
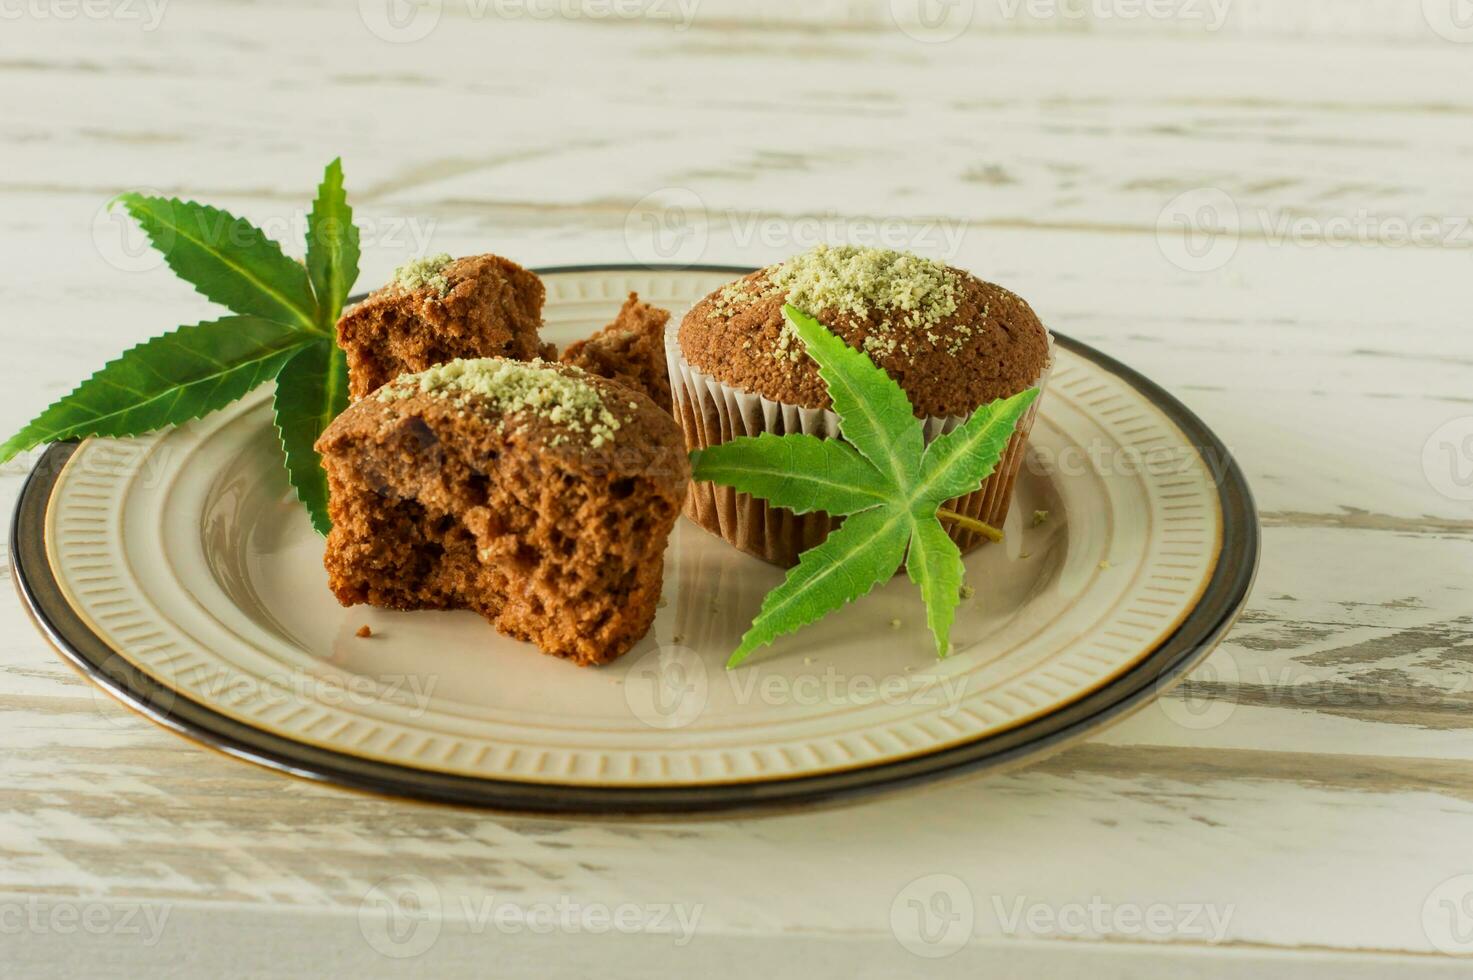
(712, 412)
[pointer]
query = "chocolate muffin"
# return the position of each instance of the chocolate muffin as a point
(950, 340)
(534, 494)
(631, 350)
(438, 309)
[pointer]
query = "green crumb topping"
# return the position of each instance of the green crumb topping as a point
(918, 294)
(559, 395)
(855, 280)
(967, 592)
(733, 296)
(1039, 517)
(422, 272)
(789, 344)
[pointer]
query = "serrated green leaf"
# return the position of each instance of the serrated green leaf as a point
(227, 259)
(934, 564)
(170, 379)
(957, 462)
(800, 472)
(874, 414)
(332, 246)
(865, 551)
(311, 391)
(909, 480)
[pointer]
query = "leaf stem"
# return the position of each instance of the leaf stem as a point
(970, 523)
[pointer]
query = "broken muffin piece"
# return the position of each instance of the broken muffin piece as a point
(534, 494)
(631, 350)
(437, 309)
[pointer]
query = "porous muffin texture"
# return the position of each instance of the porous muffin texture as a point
(950, 340)
(438, 309)
(535, 494)
(631, 350)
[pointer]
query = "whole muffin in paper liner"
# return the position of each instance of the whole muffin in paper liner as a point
(737, 369)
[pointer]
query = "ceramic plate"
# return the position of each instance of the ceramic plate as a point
(177, 571)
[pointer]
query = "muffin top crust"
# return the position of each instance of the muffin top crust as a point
(557, 405)
(950, 340)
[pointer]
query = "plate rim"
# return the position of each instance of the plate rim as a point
(1195, 636)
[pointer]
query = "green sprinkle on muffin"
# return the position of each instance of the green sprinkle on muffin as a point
(560, 395)
(422, 273)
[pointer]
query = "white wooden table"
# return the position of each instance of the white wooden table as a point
(1302, 806)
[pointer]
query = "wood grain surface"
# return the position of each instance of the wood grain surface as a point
(1268, 214)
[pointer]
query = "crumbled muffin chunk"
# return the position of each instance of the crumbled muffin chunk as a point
(631, 350)
(534, 494)
(438, 309)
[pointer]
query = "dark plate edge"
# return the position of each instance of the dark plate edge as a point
(1195, 637)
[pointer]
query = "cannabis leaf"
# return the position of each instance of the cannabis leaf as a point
(286, 311)
(312, 388)
(227, 259)
(882, 478)
(799, 472)
(332, 246)
(311, 391)
(167, 380)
